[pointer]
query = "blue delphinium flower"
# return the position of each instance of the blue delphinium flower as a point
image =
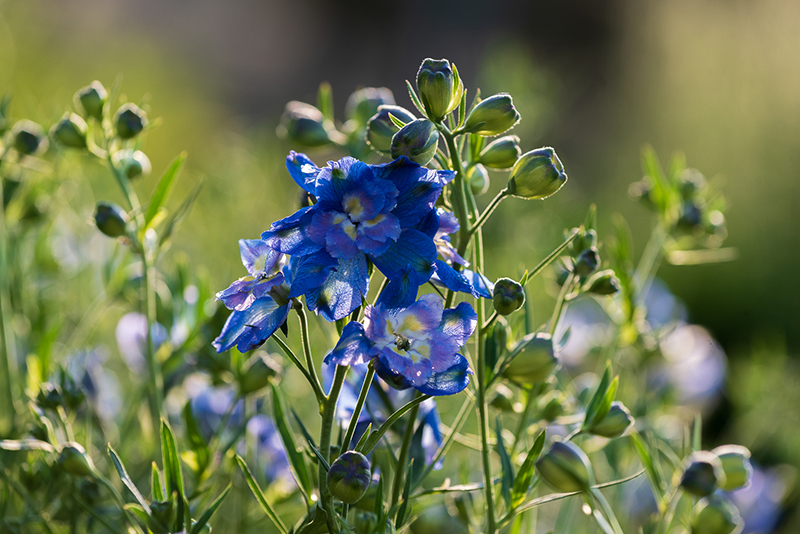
(381, 212)
(211, 404)
(259, 301)
(270, 454)
(416, 346)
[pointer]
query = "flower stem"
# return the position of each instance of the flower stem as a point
(9, 351)
(362, 397)
(488, 211)
(329, 409)
(402, 459)
(292, 356)
(459, 190)
(312, 370)
(560, 306)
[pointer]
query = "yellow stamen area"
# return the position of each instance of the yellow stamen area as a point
(352, 205)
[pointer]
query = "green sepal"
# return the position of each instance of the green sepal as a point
(523, 481)
(507, 479)
(126, 479)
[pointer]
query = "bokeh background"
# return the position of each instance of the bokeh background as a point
(717, 80)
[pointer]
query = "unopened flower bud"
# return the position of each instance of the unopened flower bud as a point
(110, 219)
(535, 360)
(691, 217)
(703, 474)
(364, 103)
(508, 296)
(478, 179)
(716, 515)
(501, 153)
(74, 460)
(134, 163)
(349, 477)
(305, 125)
(381, 128)
(70, 131)
(258, 372)
(552, 405)
(603, 283)
(587, 262)
(492, 116)
(615, 423)
(691, 182)
(49, 396)
(440, 88)
(566, 467)
(585, 239)
(503, 399)
(130, 120)
(537, 174)
(28, 137)
(735, 461)
(366, 523)
(91, 100)
(417, 140)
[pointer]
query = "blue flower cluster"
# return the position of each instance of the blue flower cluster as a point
(361, 216)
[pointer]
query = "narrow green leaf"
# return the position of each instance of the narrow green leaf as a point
(415, 99)
(150, 522)
(156, 484)
(303, 429)
(526, 472)
(649, 465)
(173, 473)
(211, 509)
(591, 218)
(29, 444)
(123, 475)
(322, 461)
(379, 511)
(295, 458)
(507, 480)
(164, 187)
(597, 398)
(364, 437)
(396, 121)
(462, 108)
(608, 398)
(174, 220)
(196, 441)
(404, 512)
(259, 495)
(376, 436)
(325, 100)
(697, 433)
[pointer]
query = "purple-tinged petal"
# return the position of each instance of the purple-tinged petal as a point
(257, 256)
(459, 323)
(448, 382)
(377, 324)
(481, 286)
(241, 294)
(250, 328)
(340, 241)
(391, 377)
(399, 293)
(418, 188)
(412, 249)
(337, 178)
(450, 278)
(448, 223)
(290, 235)
(310, 272)
(342, 290)
(366, 199)
(420, 318)
(302, 170)
(429, 224)
(415, 372)
(353, 348)
(375, 236)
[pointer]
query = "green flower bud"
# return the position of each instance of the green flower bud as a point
(366, 523)
(535, 359)
(691, 217)
(417, 140)
(134, 163)
(70, 131)
(735, 461)
(258, 372)
(28, 138)
(110, 219)
(349, 477)
(130, 120)
(508, 296)
(537, 174)
(501, 153)
(690, 183)
(584, 240)
(49, 396)
(440, 87)
(74, 460)
(603, 283)
(716, 515)
(565, 467)
(552, 405)
(381, 128)
(305, 125)
(365, 103)
(614, 424)
(587, 262)
(703, 474)
(91, 100)
(478, 179)
(492, 116)
(503, 399)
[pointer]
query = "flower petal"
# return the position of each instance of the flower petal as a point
(353, 348)
(310, 272)
(413, 250)
(459, 323)
(250, 328)
(399, 293)
(302, 170)
(257, 256)
(290, 235)
(418, 188)
(342, 290)
(336, 179)
(448, 382)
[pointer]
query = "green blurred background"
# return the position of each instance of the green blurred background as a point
(718, 80)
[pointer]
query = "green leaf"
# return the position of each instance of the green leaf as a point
(295, 457)
(26, 445)
(592, 411)
(197, 527)
(404, 512)
(325, 100)
(591, 218)
(156, 484)
(174, 220)
(379, 511)
(662, 190)
(697, 433)
(259, 495)
(396, 121)
(164, 187)
(526, 472)
(462, 108)
(415, 99)
(123, 475)
(173, 474)
(196, 441)
(653, 474)
(147, 520)
(507, 480)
